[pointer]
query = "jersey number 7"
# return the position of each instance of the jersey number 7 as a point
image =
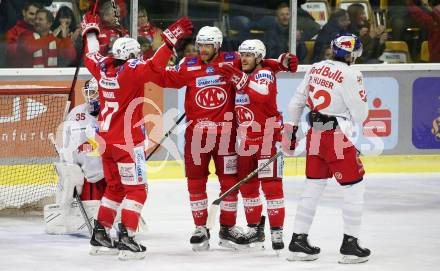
(109, 109)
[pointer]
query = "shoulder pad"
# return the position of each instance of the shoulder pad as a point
(191, 61)
(133, 62)
(264, 74)
(229, 56)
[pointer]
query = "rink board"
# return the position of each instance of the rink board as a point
(293, 166)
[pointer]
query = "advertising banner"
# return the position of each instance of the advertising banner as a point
(426, 113)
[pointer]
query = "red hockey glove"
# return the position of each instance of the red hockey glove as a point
(178, 30)
(288, 143)
(90, 23)
(238, 78)
(288, 62)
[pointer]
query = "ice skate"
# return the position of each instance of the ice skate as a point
(129, 249)
(255, 235)
(232, 237)
(301, 250)
(351, 251)
(200, 239)
(276, 234)
(101, 243)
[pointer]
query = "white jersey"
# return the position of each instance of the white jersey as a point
(79, 145)
(332, 88)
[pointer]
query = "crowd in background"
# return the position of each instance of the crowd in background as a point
(40, 33)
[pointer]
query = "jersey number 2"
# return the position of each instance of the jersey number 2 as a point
(109, 109)
(318, 94)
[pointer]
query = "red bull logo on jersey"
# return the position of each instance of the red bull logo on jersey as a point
(245, 116)
(327, 72)
(211, 97)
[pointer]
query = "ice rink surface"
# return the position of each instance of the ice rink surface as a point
(401, 226)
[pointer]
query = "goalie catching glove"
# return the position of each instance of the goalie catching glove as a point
(238, 78)
(178, 30)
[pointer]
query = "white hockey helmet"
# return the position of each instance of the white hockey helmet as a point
(90, 93)
(125, 48)
(210, 35)
(255, 47)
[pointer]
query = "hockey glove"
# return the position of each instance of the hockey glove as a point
(288, 143)
(288, 62)
(238, 78)
(178, 30)
(90, 23)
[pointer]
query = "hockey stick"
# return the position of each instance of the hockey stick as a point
(75, 76)
(213, 209)
(75, 193)
(117, 20)
(166, 136)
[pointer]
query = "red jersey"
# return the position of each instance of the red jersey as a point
(108, 34)
(148, 31)
(256, 107)
(209, 98)
(12, 37)
(38, 52)
(121, 92)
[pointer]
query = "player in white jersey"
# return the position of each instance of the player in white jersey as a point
(80, 166)
(335, 95)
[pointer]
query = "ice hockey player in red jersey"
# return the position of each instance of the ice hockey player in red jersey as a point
(121, 77)
(259, 132)
(211, 131)
(335, 95)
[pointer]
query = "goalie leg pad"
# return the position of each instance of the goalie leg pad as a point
(67, 219)
(69, 177)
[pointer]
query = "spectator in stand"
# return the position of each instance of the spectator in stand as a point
(149, 32)
(109, 30)
(373, 38)
(190, 50)
(23, 26)
(306, 23)
(431, 21)
(11, 11)
(65, 26)
(41, 48)
(338, 23)
(277, 36)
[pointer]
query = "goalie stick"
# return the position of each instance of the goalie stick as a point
(76, 194)
(213, 209)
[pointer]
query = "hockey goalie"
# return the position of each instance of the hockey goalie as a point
(79, 170)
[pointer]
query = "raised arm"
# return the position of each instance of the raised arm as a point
(90, 30)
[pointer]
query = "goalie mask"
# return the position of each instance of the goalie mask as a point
(90, 93)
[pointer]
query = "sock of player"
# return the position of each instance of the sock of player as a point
(228, 206)
(273, 191)
(352, 208)
(133, 204)
(107, 212)
(198, 200)
(307, 204)
(253, 208)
